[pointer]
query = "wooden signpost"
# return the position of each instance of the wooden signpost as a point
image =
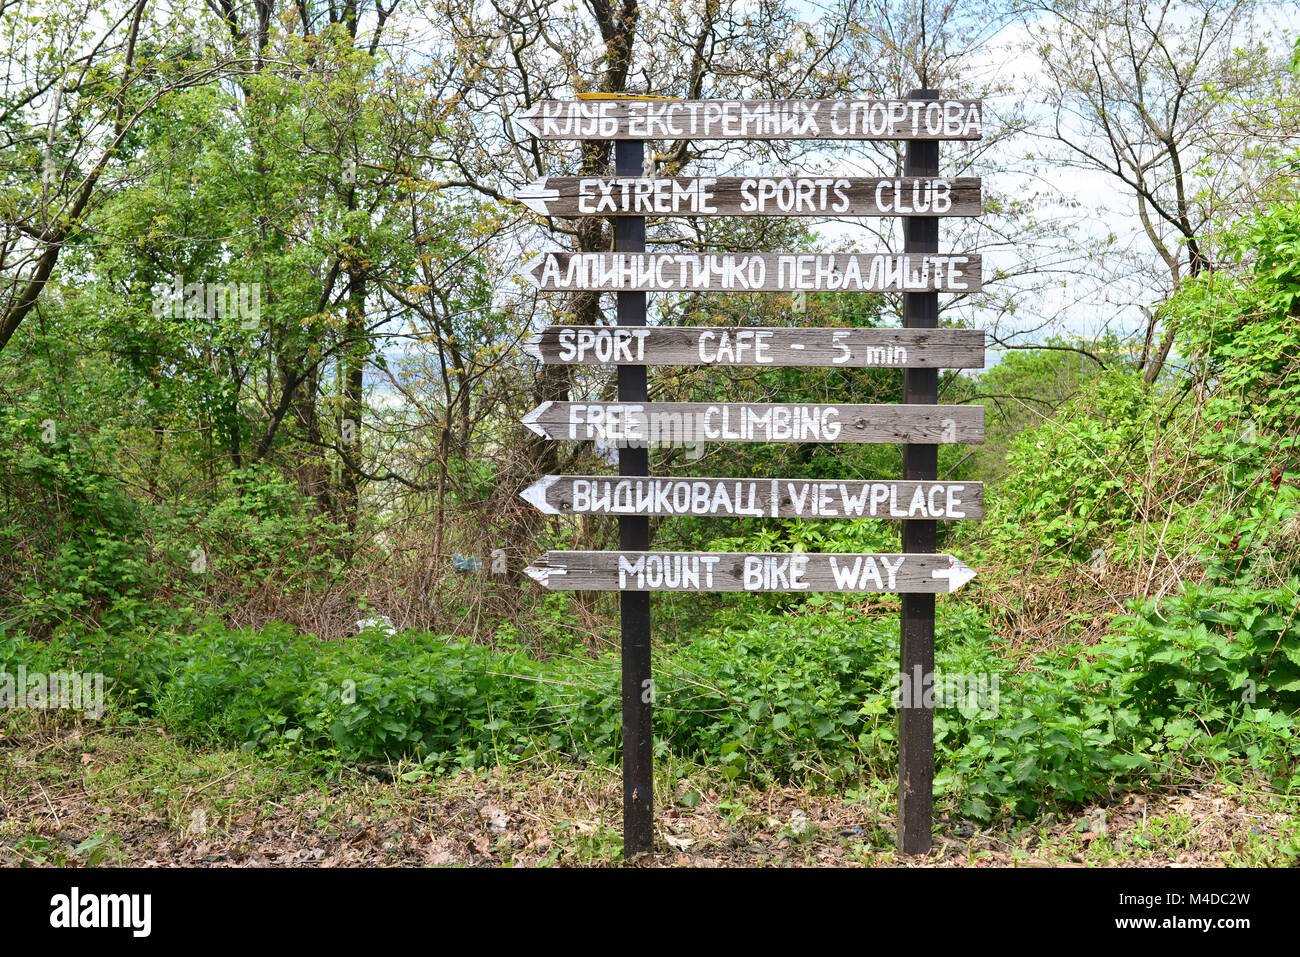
(752, 346)
(914, 118)
(755, 498)
(752, 196)
(749, 571)
(633, 423)
(688, 422)
(755, 272)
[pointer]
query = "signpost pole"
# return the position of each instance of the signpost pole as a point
(634, 535)
(916, 649)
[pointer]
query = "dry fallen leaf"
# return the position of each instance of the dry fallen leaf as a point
(497, 819)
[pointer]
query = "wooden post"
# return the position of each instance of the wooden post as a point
(634, 535)
(916, 649)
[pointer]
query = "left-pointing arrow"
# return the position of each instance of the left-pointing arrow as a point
(536, 196)
(541, 571)
(535, 494)
(533, 417)
(525, 120)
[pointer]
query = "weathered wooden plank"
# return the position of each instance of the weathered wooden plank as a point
(750, 346)
(680, 423)
(757, 272)
(901, 119)
(755, 497)
(749, 571)
(752, 196)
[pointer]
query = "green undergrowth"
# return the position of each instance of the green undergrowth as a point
(1208, 680)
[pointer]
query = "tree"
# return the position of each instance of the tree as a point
(1140, 90)
(72, 99)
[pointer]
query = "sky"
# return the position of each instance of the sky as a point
(1092, 203)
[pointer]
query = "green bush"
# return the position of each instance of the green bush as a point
(77, 549)
(1207, 676)
(1212, 675)
(71, 538)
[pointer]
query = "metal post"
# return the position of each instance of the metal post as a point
(916, 652)
(634, 535)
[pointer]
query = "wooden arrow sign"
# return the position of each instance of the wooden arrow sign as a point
(682, 423)
(758, 498)
(741, 571)
(632, 119)
(752, 196)
(749, 346)
(757, 272)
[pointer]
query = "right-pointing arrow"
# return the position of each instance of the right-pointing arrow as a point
(958, 573)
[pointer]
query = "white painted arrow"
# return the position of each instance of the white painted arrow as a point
(535, 494)
(542, 573)
(958, 573)
(536, 195)
(525, 120)
(531, 418)
(533, 346)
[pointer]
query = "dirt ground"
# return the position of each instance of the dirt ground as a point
(132, 796)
